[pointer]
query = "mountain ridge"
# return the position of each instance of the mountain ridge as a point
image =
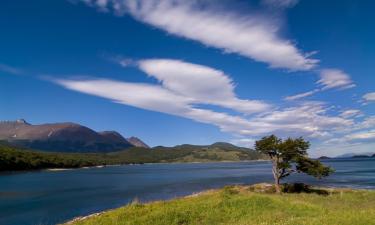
(61, 137)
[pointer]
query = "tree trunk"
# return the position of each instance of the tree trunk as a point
(277, 186)
(276, 175)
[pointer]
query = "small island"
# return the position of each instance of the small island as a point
(324, 157)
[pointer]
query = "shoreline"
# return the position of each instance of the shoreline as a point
(128, 164)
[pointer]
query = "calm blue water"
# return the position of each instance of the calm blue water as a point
(52, 197)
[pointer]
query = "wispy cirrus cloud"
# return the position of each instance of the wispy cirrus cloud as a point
(351, 113)
(329, 79)
(203, 84)
(252, 35)
(177, 95)
(182, 86)
(308, 118)
(154, 98)
(334, 78)
(249, 35)
(301, 95)
(245, 142)
(369, 97)
(368, 135)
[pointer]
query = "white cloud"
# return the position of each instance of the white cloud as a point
(249, 35)
(308, 119)
(351, 113)
(361, 136)
(329, 79)
(244, 142)
(301, 95)
(145, 96)
(203, 84)
(368, 122)
(369, 96)
(184, 87)
(154, 98)
(334, 78)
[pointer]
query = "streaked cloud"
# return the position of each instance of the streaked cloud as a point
(253, 35)
(301, 95)
(177, 95)
(154, 98)
(351, 113)
(250, 35)
(244, 142)
(182, 86)
(334, 78)
(203, 84)
(141, 95)
(368, 135)
(369, 97)
(309, 119)
(329, 79)
(367, 122)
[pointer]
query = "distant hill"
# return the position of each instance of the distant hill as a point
(219, 151)
(361, 156)
(324, 157)
(354, 155)
(61, 137)
(13, 158)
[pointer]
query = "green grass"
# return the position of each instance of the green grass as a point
(240, 206)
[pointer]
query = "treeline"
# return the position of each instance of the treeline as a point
(14, 158)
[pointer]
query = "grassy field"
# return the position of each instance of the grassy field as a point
(244, 205)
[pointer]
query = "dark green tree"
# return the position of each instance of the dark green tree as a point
(290, 156)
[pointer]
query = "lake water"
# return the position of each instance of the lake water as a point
(46, 197)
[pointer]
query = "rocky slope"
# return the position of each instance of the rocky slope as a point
(137, 142)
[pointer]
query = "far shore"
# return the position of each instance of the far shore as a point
(128, 164)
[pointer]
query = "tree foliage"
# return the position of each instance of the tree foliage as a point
(290, 156)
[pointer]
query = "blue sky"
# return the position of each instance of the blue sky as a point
(173, 71)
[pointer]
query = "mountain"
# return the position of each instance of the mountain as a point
(137, 142)
(61, 137)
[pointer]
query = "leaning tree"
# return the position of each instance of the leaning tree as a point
(290, 156)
